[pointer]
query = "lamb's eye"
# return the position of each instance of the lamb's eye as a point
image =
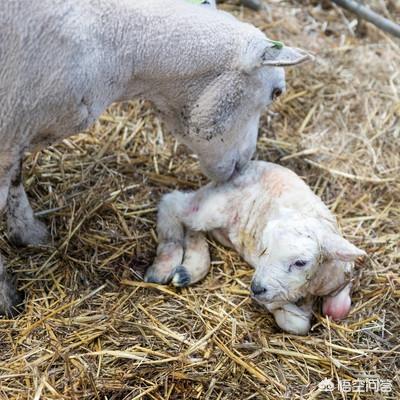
(300, 263)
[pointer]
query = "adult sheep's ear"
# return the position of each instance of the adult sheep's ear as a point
(276, 54)
(266, 52)
(338, 248)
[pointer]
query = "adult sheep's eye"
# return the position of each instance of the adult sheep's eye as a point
(300, 263)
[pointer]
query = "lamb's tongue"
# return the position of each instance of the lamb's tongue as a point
(338, 306)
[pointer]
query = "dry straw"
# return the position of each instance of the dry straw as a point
(92, 329)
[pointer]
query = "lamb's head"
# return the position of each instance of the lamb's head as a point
(303, 257)
(220, 121)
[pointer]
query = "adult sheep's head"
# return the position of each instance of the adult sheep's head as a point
(211, 76)
(221, 123)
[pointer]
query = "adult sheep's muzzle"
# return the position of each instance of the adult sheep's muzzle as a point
(226, 168)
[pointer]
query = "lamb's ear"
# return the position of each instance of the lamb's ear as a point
(276, 54)
(338, 248)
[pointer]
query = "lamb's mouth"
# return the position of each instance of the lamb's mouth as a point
(340, 288)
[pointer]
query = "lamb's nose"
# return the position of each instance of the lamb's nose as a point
(257, 289)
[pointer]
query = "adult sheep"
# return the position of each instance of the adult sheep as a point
(64, 61)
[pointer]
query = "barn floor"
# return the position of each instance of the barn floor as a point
(92, 329)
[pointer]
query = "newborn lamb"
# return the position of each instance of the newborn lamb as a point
(278, 225)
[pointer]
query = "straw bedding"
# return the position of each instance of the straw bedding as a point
(92, 329)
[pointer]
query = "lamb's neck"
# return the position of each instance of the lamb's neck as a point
(247, 232)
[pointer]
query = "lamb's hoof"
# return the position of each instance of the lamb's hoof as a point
(33, 234)
(154, 275)
(181, 277)
(10, 299)
(295, 324)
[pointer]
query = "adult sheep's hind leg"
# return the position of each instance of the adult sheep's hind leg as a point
(23, 228)
(9, 296)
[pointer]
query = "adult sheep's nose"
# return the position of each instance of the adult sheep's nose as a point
(257, 289)
(276, 92)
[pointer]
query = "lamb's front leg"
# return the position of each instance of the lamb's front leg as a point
(196, 260)
(182, 255)
(293, 318)
(23, 228)
(171, 236)
(182, 262)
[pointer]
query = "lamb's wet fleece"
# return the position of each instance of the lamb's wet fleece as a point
(278, 225)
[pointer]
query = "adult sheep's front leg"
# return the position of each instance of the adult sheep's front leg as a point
(23, 228)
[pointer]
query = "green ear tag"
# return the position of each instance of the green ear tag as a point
(277, 45)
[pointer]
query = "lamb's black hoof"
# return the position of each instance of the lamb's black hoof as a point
(181, 277)
(154, 276)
